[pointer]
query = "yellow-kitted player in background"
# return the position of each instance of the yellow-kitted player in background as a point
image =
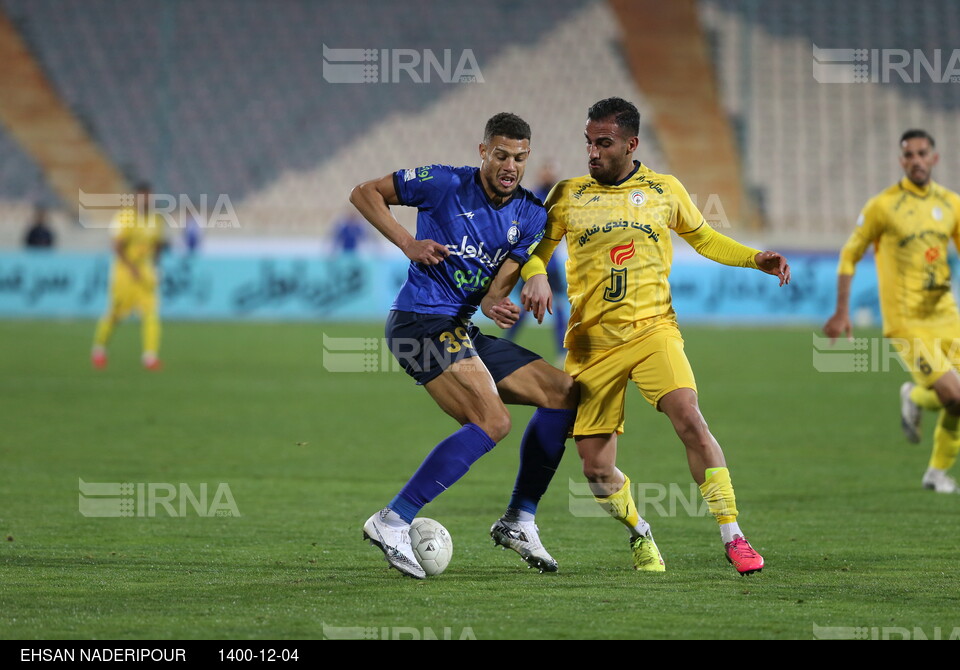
(910, 225)
(617, 222)
(137, 241)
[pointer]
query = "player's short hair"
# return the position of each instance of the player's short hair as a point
(624, 113)
(506, 125)
(916, 133)
(142, 186)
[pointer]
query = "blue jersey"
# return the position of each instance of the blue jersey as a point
(456, 212)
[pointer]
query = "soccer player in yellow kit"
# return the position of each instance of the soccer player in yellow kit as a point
(617, 222)
(137, 240)
(910, 225)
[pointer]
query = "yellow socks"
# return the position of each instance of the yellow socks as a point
(621, 507)
(104, 332)
(717, 491)
(925, 398)
(946, 442)
(151, 335)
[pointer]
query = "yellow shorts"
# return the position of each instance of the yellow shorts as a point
(128, 295)
(928, 353)
(655, 361)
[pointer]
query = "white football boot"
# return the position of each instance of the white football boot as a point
(394, 542)
(523, 538)
(940, 481)
(910, 414)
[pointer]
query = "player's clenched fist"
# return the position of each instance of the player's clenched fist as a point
(504, 313)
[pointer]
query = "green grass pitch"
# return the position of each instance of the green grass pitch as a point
(829, 493)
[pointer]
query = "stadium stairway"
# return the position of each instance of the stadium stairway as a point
(36, 116)
(671, 65)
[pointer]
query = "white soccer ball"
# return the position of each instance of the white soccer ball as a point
(432, 545)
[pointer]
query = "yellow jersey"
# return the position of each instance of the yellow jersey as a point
(139, 236)
(910, 228)
(620, 251)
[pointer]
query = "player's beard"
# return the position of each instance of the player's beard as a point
(919, 177)
(606, 173)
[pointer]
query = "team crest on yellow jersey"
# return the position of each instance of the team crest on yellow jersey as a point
(637, 198)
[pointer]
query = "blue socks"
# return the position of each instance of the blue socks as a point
(448, 462)
(540, 453)
(541, 450)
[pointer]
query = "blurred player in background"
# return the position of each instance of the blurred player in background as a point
(192, 235)
(348, 235)
(546, 179)
(910, 225)
(138, 239)
(475, 228)
(617, 224)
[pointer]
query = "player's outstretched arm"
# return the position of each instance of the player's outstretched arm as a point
(773, 264)
(868, 229)
(496, 304)
(839, 324)
(373, 199)
(722, 249)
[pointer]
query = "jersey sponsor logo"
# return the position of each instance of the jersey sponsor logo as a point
(409, 174)
(617, 290)
(936, 271)
(619, 255)
(579, 192)
(467, 250)
(637, 198)
(937, 213)
(469, 215)
(513, 235)
(923, 236)
(617, 225)
(654, 185)
(471, 281)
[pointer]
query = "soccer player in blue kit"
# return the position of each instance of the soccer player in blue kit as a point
(475, 228)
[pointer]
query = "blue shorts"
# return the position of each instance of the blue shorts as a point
(427, 344)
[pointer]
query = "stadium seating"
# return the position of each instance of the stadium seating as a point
(211, 97)
(228, 97)
(814, 152)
